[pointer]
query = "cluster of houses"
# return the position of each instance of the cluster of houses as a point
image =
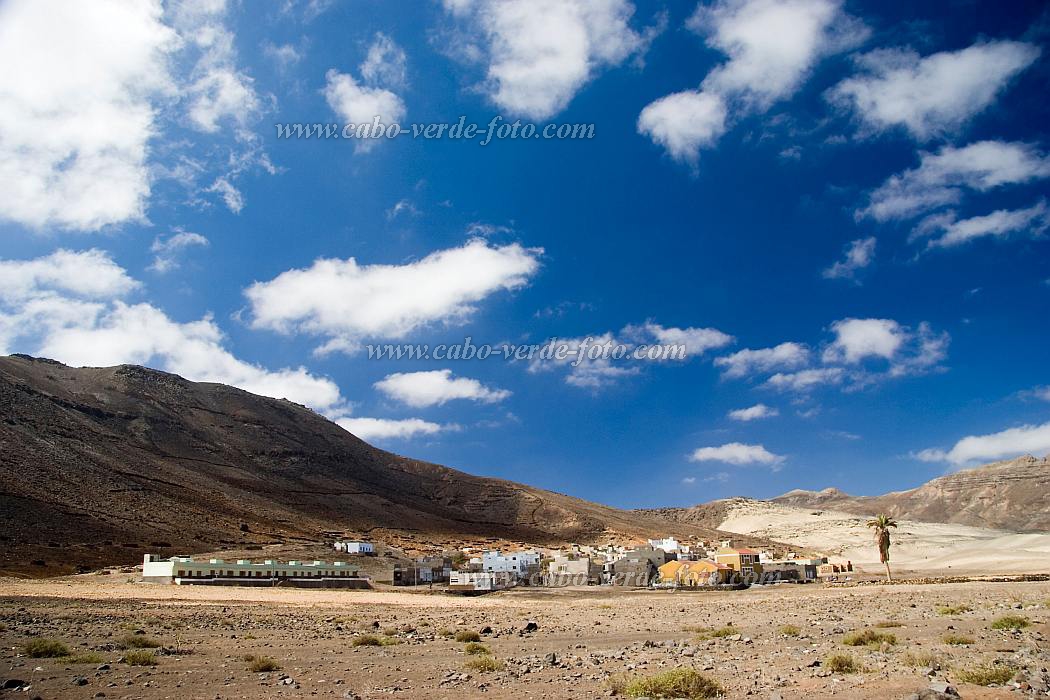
(661, 563)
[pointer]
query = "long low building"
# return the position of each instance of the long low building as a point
(315, 574)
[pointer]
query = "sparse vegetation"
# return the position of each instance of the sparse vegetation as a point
(43, 648)
(261, 664)
(473, 648)
(1011, 622)
(790, 630)
(986, 674)
(841, 663)
(138, 641)
(868, 638)
(713, 633)
(484, 664)
(139, 657)
(953, 609)
(467, 636)
(366, 640)
(445, 632)
(920, 659)
(676, 683)
(90, 657)
(887, 624)
(958, 640)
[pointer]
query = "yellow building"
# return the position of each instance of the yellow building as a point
(694, 573)
(742, 561)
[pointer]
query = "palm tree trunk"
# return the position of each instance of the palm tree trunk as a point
(888, 577)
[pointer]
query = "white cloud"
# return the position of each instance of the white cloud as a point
(745, 362)
(346, 302)
(386, 429)
(401, 206)
(167, 250)
(68, 306)
(933, 95)
(386, 63)
(756, 412)
(736, 453)
(540, 53)
(1013, 442)
(859, 254)
(76, 113)
(696, 341)
(805, 379)
(766, 64)
(285, 55)
(84, 97)
(89, 274)
(599, 361)
(684, 123)
(361, 104)
(218, 90)
(1042, 392)
(436, 387)
(1031, 221)
(942, 177)
(860, 338)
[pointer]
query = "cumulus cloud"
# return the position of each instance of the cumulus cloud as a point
(601, 360)
(746, 362)
(859, 338)
(390, 429)
(84, 97)
(167, 250)
(76, 109)
(386, 63)
(356, 103)
(756, 412)
(942, 178)
(738, 454)
(70, 306)
(974, 449)
(859, 254)
(933, 95)
(436, 387)
(89, 274)
(862, 351)
(345, 302)
(806, 379)
(765, 64)
(539, 53)
(684, 123)
(1032, 221)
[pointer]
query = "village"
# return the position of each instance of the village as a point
(663, 563)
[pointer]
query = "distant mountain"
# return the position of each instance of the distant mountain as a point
(98, 465)
(1011, 495)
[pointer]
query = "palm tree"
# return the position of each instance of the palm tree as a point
(882, 524)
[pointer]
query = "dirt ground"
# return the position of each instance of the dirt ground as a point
(583, 637)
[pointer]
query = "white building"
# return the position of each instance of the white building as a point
(355, 547)
(668, 544)
(512, 562)
(479, 581)
(184, 570)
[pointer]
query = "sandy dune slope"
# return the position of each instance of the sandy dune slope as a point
(918, 546)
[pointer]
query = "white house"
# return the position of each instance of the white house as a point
(355, 547)
(479, 581)
(184, 570)
(668, 544)
(512, 562)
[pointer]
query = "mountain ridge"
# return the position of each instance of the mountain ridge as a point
(98, 465)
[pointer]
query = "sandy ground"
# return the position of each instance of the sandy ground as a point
(592, 633)
(917, 547)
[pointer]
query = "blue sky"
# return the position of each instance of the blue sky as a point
(839, 208)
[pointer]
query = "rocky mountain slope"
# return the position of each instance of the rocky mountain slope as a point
(98, 465)
(1011, 495)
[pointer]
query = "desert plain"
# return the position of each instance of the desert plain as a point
(765, 642)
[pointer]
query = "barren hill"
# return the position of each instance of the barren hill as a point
(98, 465)
(1011, 495)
